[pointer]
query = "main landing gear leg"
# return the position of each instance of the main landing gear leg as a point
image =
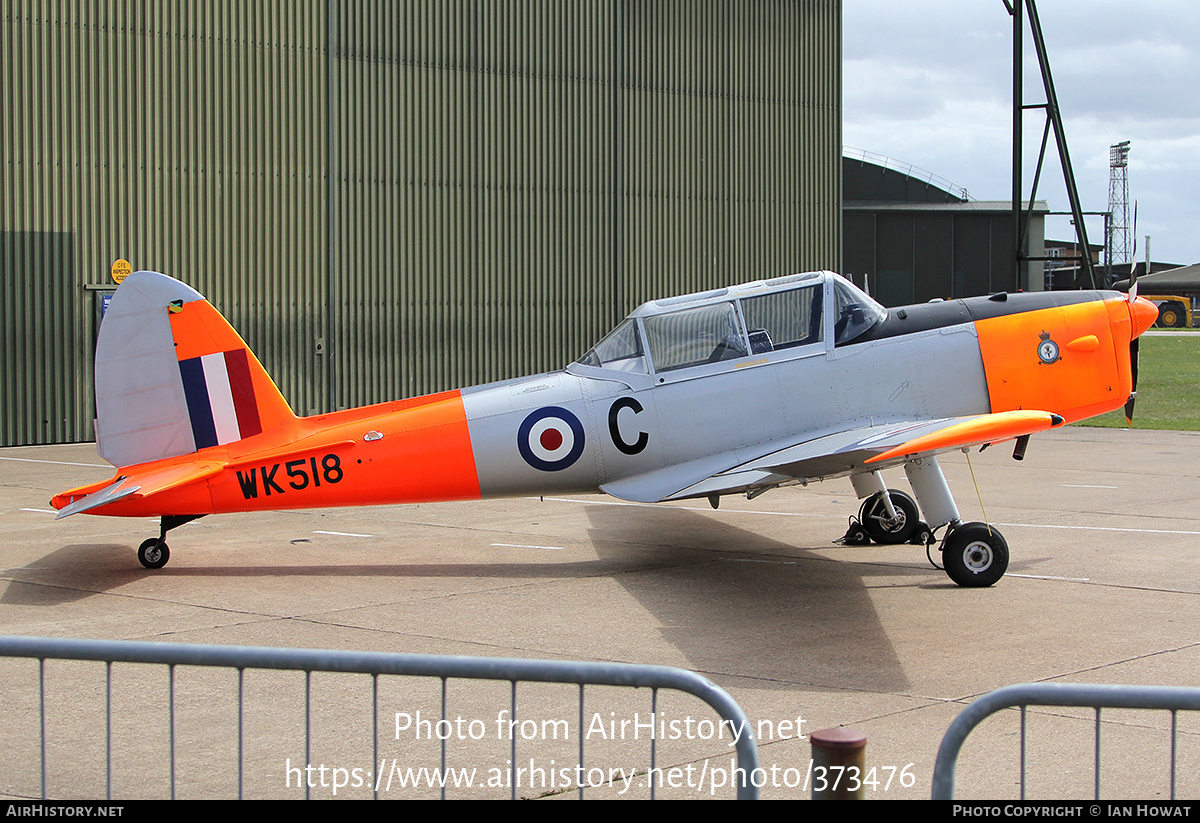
(153, 553)
(887, 516)
(973, 554)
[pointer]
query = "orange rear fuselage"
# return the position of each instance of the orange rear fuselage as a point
(413, 451)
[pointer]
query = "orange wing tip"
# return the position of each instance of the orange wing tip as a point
(988, 428)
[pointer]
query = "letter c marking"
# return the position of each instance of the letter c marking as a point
(614, 428)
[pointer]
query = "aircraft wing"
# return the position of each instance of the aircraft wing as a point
(134, 483)
(863, 448)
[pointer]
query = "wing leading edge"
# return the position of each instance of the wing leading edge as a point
(862, 448)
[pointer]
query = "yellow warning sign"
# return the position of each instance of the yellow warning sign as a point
(120, 270)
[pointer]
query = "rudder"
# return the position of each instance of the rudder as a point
(173, 377)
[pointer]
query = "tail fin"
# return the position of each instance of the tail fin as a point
(173, 377)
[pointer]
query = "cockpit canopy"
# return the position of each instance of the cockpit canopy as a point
(621, 349)
(855, 312)
(736, 322)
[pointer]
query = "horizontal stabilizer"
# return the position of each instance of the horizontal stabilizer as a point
(134, 484)
(299, 448)
(114, 491)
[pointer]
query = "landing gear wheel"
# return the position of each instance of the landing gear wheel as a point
(975, 555)
(882, 529)
(1171, 315)
(154, 554)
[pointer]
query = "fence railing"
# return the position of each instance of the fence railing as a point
(382, 664)
(916, 172)
(1163, 698)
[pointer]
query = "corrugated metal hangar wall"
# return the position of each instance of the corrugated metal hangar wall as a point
(389, 198)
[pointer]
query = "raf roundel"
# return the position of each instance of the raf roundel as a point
(550, 439)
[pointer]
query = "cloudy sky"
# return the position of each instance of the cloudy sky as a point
(929, 83)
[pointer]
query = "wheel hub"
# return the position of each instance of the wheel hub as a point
(978, 557)
(890, 524)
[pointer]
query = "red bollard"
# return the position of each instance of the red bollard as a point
(838, 763)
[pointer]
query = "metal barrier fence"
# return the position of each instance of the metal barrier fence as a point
(733, 726)
(1165, 698)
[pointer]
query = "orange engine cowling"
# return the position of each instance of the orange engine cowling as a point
(1071, 360)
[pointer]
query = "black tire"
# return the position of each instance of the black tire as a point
(874, 518)
(975, 555)
(154, 554)
(1171, 315)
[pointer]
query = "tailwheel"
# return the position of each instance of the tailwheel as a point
(975, 555)
(154, 554)
(881, 526)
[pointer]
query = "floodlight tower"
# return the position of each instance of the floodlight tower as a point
(1117, 243)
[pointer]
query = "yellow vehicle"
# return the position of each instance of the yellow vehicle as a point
(1174, 311)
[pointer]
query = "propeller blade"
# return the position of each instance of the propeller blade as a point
(1133, 286)
(1133, 367)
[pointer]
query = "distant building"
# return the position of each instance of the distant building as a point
(1062, 271)
(915, 237)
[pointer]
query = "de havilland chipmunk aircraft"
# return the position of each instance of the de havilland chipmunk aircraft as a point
(732, 391)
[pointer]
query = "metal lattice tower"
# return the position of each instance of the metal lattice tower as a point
(1118, 249)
